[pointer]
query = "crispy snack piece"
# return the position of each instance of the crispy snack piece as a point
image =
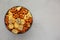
(18, 19)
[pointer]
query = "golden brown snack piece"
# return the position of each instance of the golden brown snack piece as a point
(18, 19)
(21, 16)
(16, 16)
(15, 31)
(10, 26)
(13, 10)
(24, 11)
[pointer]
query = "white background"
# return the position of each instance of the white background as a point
(46, 19)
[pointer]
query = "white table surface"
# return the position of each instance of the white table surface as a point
(46, 19)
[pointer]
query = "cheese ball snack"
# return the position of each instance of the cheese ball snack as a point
(18, 19)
